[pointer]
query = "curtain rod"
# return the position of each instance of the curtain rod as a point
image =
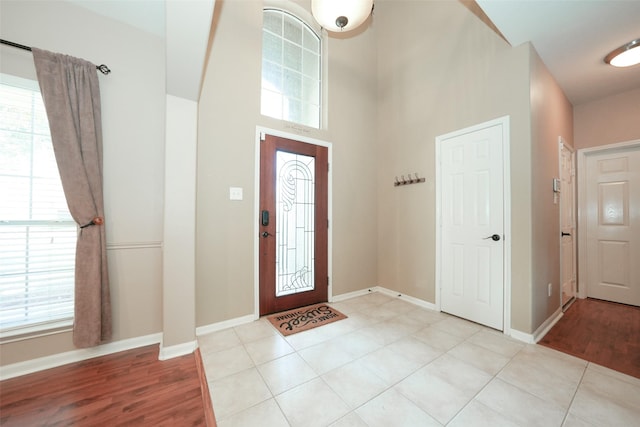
(102, 68)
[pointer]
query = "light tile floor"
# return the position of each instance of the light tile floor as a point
(391, 363)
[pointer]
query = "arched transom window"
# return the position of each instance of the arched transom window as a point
(291, 65)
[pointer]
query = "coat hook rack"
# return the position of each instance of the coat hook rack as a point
(407, 181)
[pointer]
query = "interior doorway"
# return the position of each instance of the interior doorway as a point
(292, 224)
(567, 195)
(473, 217)
(609, 223)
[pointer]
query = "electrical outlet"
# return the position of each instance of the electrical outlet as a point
(550, 287)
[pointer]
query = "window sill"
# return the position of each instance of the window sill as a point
(36, 331)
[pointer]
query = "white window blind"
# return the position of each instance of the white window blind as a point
(37, 233)
(291, 64)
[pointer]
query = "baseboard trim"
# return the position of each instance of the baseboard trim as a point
(521, 336)
(540, 332)
(177, 350)
(55, 360)
(348, 295)
(413, 300)
(386, 291)
(547, 325)
(225, 324)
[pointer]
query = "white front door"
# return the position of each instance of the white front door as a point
(567, 225)
(472, 224)
(613, 225)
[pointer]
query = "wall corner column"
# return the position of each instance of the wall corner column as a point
(178, 269)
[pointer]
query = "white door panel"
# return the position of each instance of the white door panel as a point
(613, 226)
(567, 225)
(471, 173)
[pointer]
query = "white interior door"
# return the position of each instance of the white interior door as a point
(472, 225)
(567, 224)
(613, 225)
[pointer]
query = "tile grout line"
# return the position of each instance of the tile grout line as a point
(494, 377)
(564, 419)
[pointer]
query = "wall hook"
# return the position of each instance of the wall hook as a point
(408, 180)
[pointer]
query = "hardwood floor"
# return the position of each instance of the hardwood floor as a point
(602, 332)
(127, 388)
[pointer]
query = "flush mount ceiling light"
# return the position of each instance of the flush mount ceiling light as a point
(341, 15)
(625, 56)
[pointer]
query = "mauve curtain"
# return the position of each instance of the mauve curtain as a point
(71, 96)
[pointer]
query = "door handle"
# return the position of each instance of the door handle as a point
(266, 234)
(494, 237)
(565, 234)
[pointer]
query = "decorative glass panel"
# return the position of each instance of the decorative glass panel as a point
(295, 223)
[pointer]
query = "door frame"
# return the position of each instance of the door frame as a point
(506, 173)
(562, 143)
(261, 130)
(583, 206)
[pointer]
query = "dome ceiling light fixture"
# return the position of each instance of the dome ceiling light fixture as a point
(341, 15)
(626, 55)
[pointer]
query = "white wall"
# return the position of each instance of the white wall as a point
(133, 114)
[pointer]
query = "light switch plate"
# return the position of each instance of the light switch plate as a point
(235, 193)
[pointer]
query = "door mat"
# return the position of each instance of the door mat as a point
(305, 318)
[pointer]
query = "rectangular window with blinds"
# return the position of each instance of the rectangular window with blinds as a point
(37, 233)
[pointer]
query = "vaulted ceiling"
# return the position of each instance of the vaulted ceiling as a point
(571, 37)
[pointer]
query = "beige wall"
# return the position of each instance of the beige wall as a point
(608, 121)
(228, 115)
(133, 129)
(416, 71)
(551, 117)
(439, 71)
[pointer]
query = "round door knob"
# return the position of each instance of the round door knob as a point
(494, 237)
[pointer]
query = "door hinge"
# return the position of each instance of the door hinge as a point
(263, 136)
(328, 167)
(327, 223)
(327, 280)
